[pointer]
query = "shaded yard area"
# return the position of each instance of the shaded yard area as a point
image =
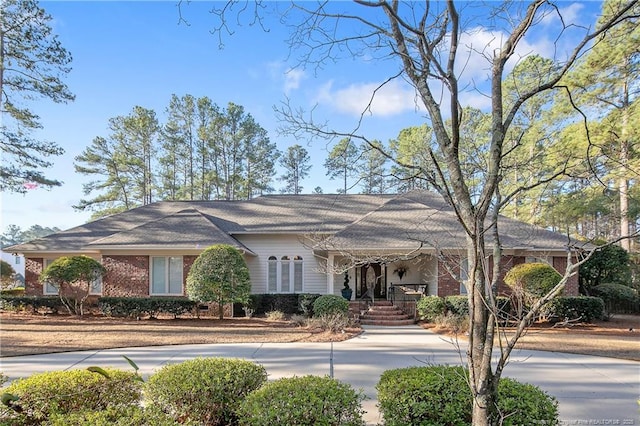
(24, 334)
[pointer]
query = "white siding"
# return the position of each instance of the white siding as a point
(314, 279)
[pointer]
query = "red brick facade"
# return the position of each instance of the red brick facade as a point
(127, 276)
(33, 267)
(449, 286)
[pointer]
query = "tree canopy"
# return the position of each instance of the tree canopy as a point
(219, 275)
(33, 64)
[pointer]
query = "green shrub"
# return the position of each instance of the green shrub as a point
(17, 291)
(328, 304)
(520, 403)
(614, 295)
(305, 303)
(219, 275)
(131, 416)
(62, 392)
(457, 305)
(435, 395)
(440, 395)
(532, 279)
(587, 309)
(307, 400)
(430, 307)
(37, 303)
(136, 307)
(203, 390)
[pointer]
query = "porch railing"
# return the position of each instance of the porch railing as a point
(405, 296)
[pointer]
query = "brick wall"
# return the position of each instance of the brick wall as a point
(127, 276)
(448, 286)
(33, 267)
(571, 288)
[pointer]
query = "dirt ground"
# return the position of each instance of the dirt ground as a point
(24, 334)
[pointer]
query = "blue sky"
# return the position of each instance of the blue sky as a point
(137, 53)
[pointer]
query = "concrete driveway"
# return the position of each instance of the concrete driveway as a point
(590, 390)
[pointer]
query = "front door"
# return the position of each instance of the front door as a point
(371, 276)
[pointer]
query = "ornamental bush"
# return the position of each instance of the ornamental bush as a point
(307, 400)
(206, 391)
(430, 307)
(219, 275)
(329, 304)
(532, 279)
(457, 305)
(614, 295)
(440, 395)
(40, 396)
(586, 309)
(132, 416)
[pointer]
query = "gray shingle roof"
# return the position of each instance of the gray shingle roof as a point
(366, 222)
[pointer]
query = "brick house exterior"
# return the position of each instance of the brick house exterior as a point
(301, 243)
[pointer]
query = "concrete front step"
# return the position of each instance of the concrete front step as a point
(383, 316)
(388, 323)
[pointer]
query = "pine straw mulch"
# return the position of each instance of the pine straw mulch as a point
(617, 338)
(27, 334)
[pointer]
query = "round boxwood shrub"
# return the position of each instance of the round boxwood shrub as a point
(615, 294)
(329, 304)
(307, 400)
(532, 279)
(457, 305)
(440, 395)
(430, 307)
(203, 390)
(132, 416)
(63, 392)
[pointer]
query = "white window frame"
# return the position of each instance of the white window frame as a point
(46, 287)
(167, 284)
(285, 274)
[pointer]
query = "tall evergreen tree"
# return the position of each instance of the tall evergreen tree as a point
(342, 163)
(373, 173)
(411, 163)
(296, 164)
(32, 65)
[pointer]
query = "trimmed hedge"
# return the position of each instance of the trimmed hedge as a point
(586, 308)
(330, 304)
(616, 295)
(131, 416)
(203, 390)
(51, 303)
(440, 395)
(63, 392)
(430, 307)
(140, 306)
(307, 400)
(457, 305)
(290, 304)
(535, 279)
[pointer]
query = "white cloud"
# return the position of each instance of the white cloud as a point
(391, 99)
(572, 14)
(292, 79)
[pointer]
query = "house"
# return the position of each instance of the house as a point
(292, 244)
(17, 263)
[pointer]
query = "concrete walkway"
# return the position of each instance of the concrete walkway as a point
(590, 390)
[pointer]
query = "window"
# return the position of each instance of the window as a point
(166, 275)
(464, 274)
(49, 289)
(96, 286)
(17, 260)
(285, 275)
(272, 275)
